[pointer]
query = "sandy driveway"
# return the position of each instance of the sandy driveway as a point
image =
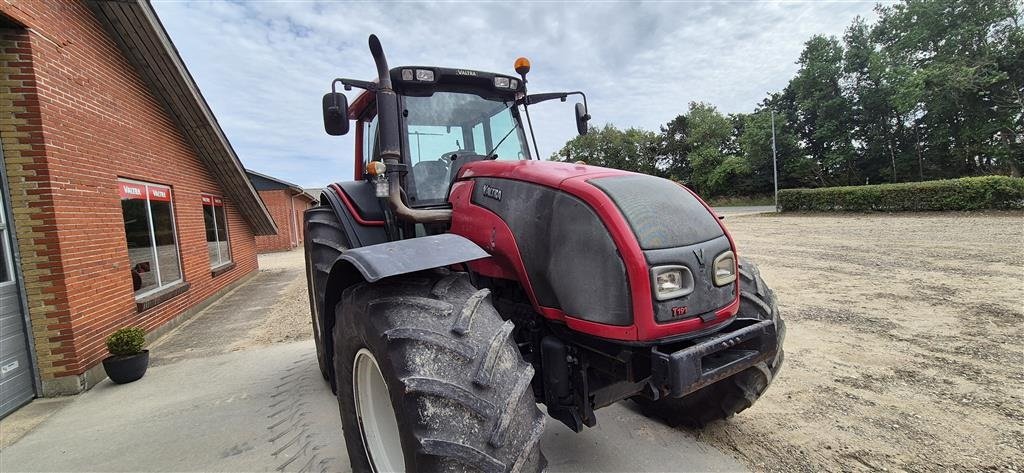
(903, 349)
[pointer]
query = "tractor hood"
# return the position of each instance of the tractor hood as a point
(661, 213)
(589, 241)
(546, 173)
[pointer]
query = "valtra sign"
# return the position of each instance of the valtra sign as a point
(214, 201)
(129, 190)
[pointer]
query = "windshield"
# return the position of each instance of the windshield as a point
(448, 124)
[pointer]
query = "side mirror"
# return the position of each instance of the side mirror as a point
(582, 118)
(335, 113)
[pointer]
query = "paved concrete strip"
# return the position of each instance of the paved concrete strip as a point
(268, 409)
(255, 410)
(625, 440)
(224, 325)
(745, 210)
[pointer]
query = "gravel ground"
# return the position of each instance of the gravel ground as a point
(903, 346)
(903, 349)
(288, 320)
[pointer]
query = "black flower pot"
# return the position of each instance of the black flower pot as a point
(126, 368)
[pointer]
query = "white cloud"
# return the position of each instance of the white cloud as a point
(263, 66)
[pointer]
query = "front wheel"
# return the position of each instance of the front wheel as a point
(734, 394)
(429, 379)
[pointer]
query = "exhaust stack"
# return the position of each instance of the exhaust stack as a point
(389, 136)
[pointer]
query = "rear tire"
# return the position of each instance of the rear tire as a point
(460, 391)
(737, 393)
(325, 241)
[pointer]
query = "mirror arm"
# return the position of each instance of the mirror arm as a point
(350, 83)
(538, 98)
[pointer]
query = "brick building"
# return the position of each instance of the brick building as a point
(286, 202)
(123, 204)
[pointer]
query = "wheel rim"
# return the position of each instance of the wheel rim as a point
(378, 424)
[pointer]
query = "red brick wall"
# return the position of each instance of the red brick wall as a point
(77, 117)
(287, 212)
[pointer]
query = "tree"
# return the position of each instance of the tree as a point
(933, 89)
(716, 170)
(877, 128)
(755, 142)
(632, 149)
(955, 69)
(823, 112)
(674, 144)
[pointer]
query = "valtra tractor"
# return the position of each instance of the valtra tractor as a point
(458, 281)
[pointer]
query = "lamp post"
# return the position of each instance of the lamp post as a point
(775, 166)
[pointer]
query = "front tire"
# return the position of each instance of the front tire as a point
(325, 241)
(737, 393)
(458, 388)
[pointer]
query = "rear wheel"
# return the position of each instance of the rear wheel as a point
(429, 379)
(735, 394)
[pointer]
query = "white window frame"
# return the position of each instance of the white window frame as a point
(216, 231)
(160, 285)
(6, 240)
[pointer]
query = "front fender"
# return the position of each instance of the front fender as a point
(393, 258)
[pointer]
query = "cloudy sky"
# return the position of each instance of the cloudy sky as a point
(264, 66)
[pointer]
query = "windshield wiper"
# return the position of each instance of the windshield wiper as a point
(494, 156)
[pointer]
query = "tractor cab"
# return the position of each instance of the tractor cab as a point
(419, 125)
(451, 117)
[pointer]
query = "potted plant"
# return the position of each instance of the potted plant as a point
(127, 361)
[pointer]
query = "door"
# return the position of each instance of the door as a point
(17, 383)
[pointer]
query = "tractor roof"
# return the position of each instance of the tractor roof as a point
(444, 79)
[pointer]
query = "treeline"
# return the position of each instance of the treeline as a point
(931, 90)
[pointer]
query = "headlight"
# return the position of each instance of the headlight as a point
(407, 74)
(425, 75)
(724, 268)
(670, 282)
(501, 82)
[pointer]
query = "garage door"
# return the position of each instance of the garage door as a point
(17, 385)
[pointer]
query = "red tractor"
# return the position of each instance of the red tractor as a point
(459, 280)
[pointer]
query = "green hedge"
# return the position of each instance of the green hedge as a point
(969, 193)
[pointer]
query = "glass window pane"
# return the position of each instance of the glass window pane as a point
(370, 140)
(222, 230)
(501, 126)
(211, 233)
(163, 226)
(441, 124)
(5, 263)
(479, 142)
(140, 247)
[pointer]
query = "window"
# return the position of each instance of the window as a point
(370, 139)
(217, 242)
(6, 259)
(152, 238)
(448, 123)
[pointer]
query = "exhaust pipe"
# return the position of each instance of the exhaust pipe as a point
(389, 136)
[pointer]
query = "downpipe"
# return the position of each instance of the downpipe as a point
(390, 143)
(403, 211)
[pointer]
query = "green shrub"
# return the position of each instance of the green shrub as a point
(126, 341)
(969, 193)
